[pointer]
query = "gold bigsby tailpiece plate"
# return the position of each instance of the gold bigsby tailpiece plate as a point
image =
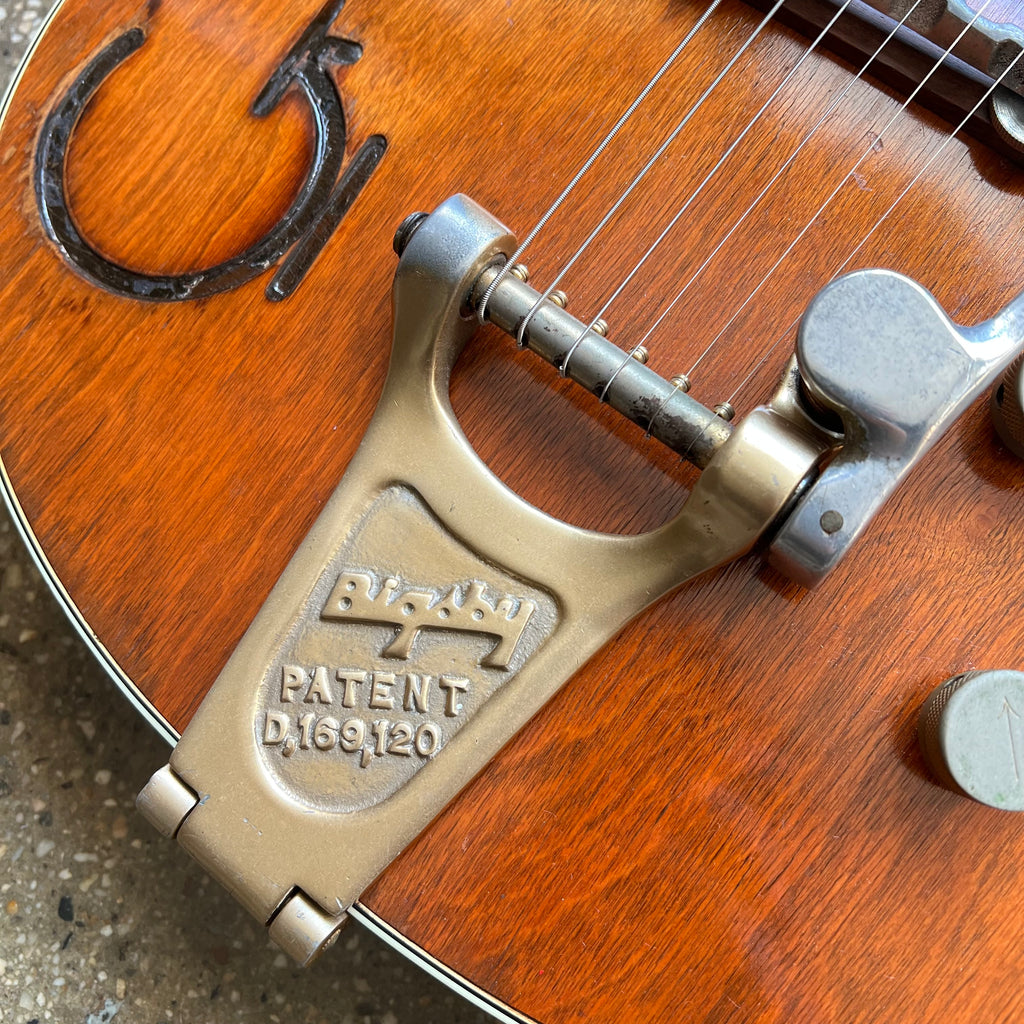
(428, 615)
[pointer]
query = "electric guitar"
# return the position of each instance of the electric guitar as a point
(724, 813)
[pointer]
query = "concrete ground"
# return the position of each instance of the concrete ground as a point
(100, 918)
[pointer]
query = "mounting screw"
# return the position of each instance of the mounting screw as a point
(406, 230)
(831, 521)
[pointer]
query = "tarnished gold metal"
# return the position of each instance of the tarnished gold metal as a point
(427, 617)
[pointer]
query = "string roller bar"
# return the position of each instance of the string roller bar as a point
(659, 406)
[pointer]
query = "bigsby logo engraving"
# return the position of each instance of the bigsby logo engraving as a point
(355, 598)
(304, 229)
(373, 712)
(390, 657)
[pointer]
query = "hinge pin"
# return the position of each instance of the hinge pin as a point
(165, 801)
(303, 930)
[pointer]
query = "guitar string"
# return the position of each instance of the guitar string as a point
(524, 325)
(643, 95)
(888, 213)
(872, 148)
(695, 194)
(814, 219)
(833, 105)
(590, 161)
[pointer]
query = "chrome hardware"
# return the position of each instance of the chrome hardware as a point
(1006, 111)
(878, 355)
(1008, 408)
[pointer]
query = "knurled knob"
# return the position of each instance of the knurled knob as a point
(971, 732)
(1006, 112)
(1008, 408)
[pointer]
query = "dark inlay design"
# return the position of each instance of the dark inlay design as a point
(307, 224)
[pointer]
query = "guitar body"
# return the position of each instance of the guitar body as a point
(724, 815)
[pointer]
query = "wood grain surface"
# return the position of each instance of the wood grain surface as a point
(723, 816)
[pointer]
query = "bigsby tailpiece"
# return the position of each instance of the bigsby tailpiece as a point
(431, 612)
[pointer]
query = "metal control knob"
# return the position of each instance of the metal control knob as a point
(971, 732)
(1008, 408)
(1006, 112)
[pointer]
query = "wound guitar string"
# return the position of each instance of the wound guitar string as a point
(986, 96)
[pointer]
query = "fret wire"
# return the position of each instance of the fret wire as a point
(521, 331)
(605, 142)
(693, 197)
(867, 153)
(832, 107)
(885, 216)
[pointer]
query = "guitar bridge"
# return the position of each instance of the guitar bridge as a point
(431, 612)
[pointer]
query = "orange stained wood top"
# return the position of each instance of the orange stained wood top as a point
(723, 816)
